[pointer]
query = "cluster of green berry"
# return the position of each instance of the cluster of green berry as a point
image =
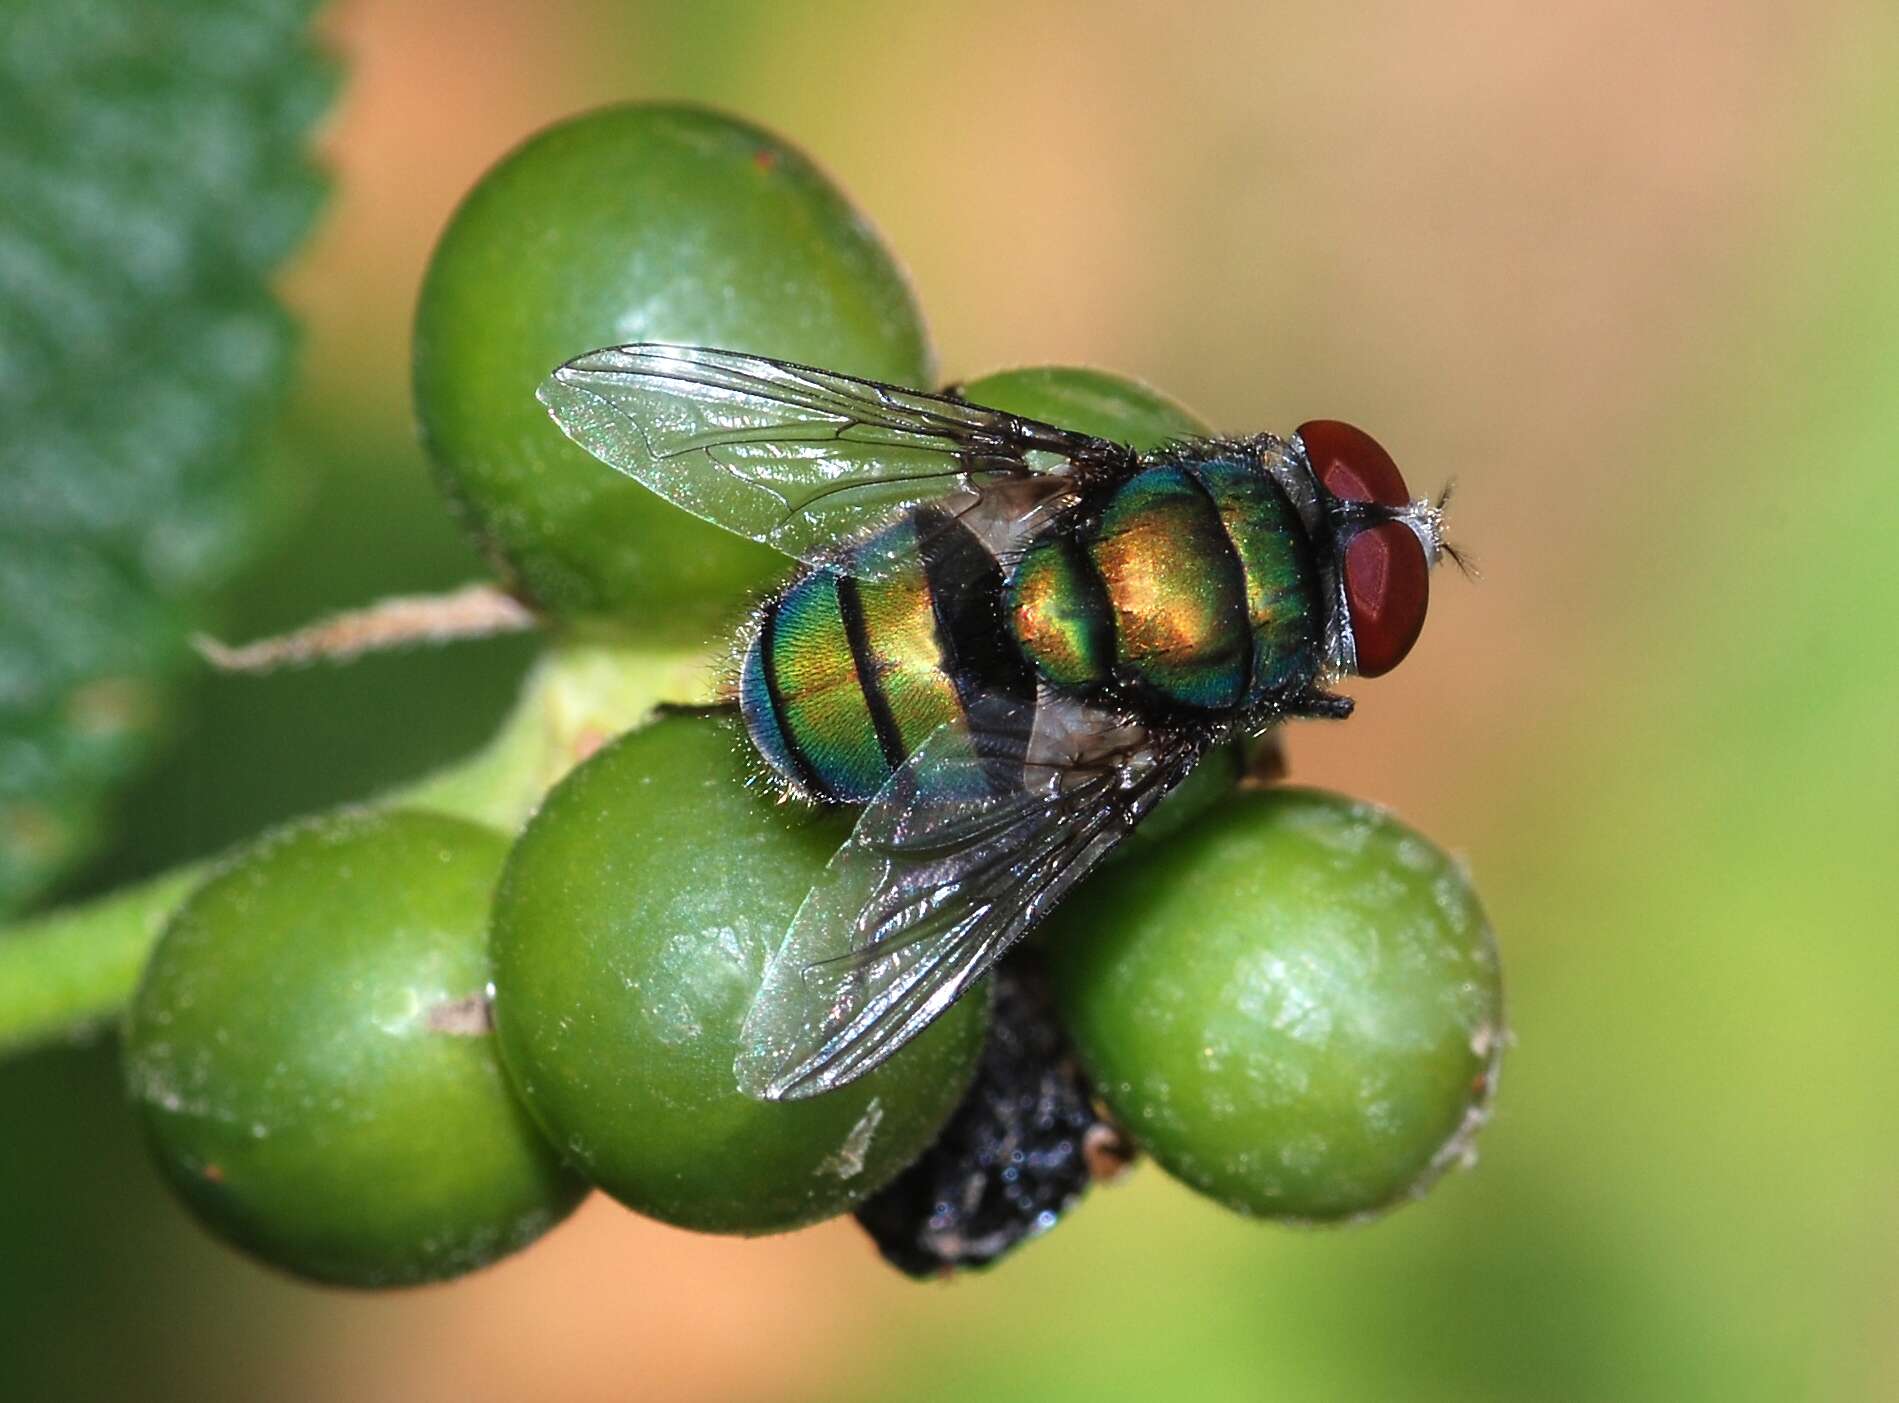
(391, 1045)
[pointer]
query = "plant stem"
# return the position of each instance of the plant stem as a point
(580, 695)
(65, 973)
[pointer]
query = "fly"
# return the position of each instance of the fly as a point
(1008, 641)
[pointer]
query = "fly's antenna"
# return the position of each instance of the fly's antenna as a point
(1465, 562)
(1427, 519)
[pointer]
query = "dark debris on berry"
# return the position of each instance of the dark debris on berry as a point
(1023, 1146)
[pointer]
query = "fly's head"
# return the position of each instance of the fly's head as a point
(1376, 544)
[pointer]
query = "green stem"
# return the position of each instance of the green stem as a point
(65, 973)
(579, 695)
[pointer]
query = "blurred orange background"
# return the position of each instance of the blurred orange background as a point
(1626, 273)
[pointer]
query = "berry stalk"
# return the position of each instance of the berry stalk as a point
(67, 972)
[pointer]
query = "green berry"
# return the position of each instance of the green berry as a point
(1294, 1005)
(310, 1054)
(635, 223)
(631, 931)
(1097, 402)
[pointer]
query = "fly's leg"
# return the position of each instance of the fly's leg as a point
(1318, 703)
(1264, 761)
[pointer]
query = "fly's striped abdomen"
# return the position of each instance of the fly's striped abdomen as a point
(845, 677)
(801, 695)
(1193, 585)
(901, 659)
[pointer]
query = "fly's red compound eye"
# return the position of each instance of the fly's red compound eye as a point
(1387, 578)
(1387, 587)
(1351, 464)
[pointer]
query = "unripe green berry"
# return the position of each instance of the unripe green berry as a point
(310, 1053)
(1100, 402)
(644, 222)
(631, 931)
(1294, 1005)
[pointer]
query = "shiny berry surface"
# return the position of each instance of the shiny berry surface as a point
(311, 1057)
(641, 222)
(1295, 1006)
(631, 931)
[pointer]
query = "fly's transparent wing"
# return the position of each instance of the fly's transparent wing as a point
(946, 869)
(789, 455)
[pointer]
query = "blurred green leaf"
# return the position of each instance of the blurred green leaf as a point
(152, 173)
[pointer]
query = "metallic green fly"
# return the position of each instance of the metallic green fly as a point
(1008, 641)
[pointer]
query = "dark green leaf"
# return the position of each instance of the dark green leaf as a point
(153, 172)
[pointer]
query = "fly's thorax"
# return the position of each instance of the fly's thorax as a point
(1191, 585)
(1279, 574)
